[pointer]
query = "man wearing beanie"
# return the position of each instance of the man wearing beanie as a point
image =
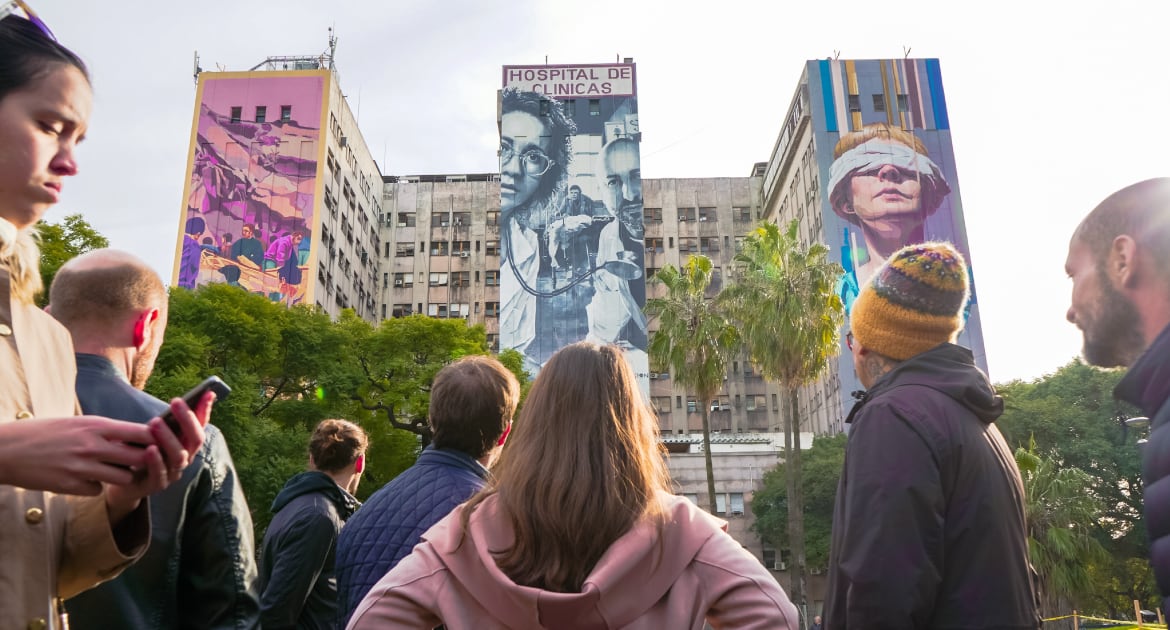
(928, 530)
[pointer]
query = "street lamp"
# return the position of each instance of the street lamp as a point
(1140, 423)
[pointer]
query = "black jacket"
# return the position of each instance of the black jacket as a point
(1147, 385)
(199, 571)
(297, 581)
(928, 530)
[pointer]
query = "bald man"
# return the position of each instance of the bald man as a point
(199, 571)
(1119, 263)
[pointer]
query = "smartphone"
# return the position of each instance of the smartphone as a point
(192, 398)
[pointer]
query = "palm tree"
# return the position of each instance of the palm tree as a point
(783, 302)
(694, 339)
(1059, 513)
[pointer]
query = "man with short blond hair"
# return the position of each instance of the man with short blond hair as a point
(199, 571)
(472, 403)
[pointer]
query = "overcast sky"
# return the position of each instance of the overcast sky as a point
(1051, 107)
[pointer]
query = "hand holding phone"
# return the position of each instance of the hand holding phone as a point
(192, 398)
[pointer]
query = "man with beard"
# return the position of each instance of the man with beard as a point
(1119, 262)
(615, 314)
(199, 570)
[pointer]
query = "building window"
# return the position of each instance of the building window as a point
(688, 244)
(492, 278)
(661, 404)
(491, 309)
(654, 245)
(706, 214)
(742, 215)
(261, 113)
(461, 279)
(461, 219)
(440, 248)
(405, 219)
(440, 219)
(903, 102)
(854, 102)
(720, 503)
(437, 310)
(686, 214)
(493, 217)
(652, 215)
(879, 102)
(651, 272)
(678, 402)
(438, 279)
(401, 310)
(285, 113)
(383, 311)
(461, 248)
(237, 112)
(708, 244)
(692, 404)
(461, 309)
(737, 503)
(739, 244)
(493, 340)
(492, 248)
(404, 250)
(403, 280)
(594, 107)
(571, 107)
(692, 497)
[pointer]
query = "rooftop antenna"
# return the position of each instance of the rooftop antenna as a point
(332, 46)
(906, 51)
(546, 60)
(197, 68)
(836, 54)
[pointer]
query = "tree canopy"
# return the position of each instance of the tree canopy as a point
(59, 242)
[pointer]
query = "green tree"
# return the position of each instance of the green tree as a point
(1061, 545)
(694, 339)
(822, 466)
(275, 359)
(59, 242)
(1074, 420)
(387, 370)
(783, 301)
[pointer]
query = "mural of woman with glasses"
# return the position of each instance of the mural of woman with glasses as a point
(542, 302)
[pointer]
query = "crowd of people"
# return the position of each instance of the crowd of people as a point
(562, 517)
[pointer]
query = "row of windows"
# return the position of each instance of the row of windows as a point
(443, 219)
(450, 309)
(442, 279)
(751, 402)
(701, 244)
(722, 499)
(879, 102)
(442, 248)
(261, 114)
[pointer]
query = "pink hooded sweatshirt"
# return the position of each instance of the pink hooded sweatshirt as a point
(704, 576)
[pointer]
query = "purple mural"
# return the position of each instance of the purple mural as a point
(249, 201)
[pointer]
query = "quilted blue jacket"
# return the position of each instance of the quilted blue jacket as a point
(391, 522)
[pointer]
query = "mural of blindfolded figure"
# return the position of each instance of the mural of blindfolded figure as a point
(883, 181)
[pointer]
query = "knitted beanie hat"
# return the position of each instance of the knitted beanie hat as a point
(913, 303)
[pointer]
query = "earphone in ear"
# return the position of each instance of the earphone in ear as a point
(359, 464)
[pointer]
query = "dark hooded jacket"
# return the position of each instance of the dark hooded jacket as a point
(929, 530)
(297, 582)
(1147, 385)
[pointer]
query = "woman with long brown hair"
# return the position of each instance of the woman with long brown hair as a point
(579, 529)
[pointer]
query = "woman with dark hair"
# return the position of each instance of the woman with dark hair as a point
(57, 545)
(540, 299)
(297, 580)
(579, 529)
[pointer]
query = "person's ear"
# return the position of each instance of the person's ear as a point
(1122, 262)
(144, 327)
(504, 435)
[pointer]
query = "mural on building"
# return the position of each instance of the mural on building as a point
(887, 169)
(248, 214)
(571, 216)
